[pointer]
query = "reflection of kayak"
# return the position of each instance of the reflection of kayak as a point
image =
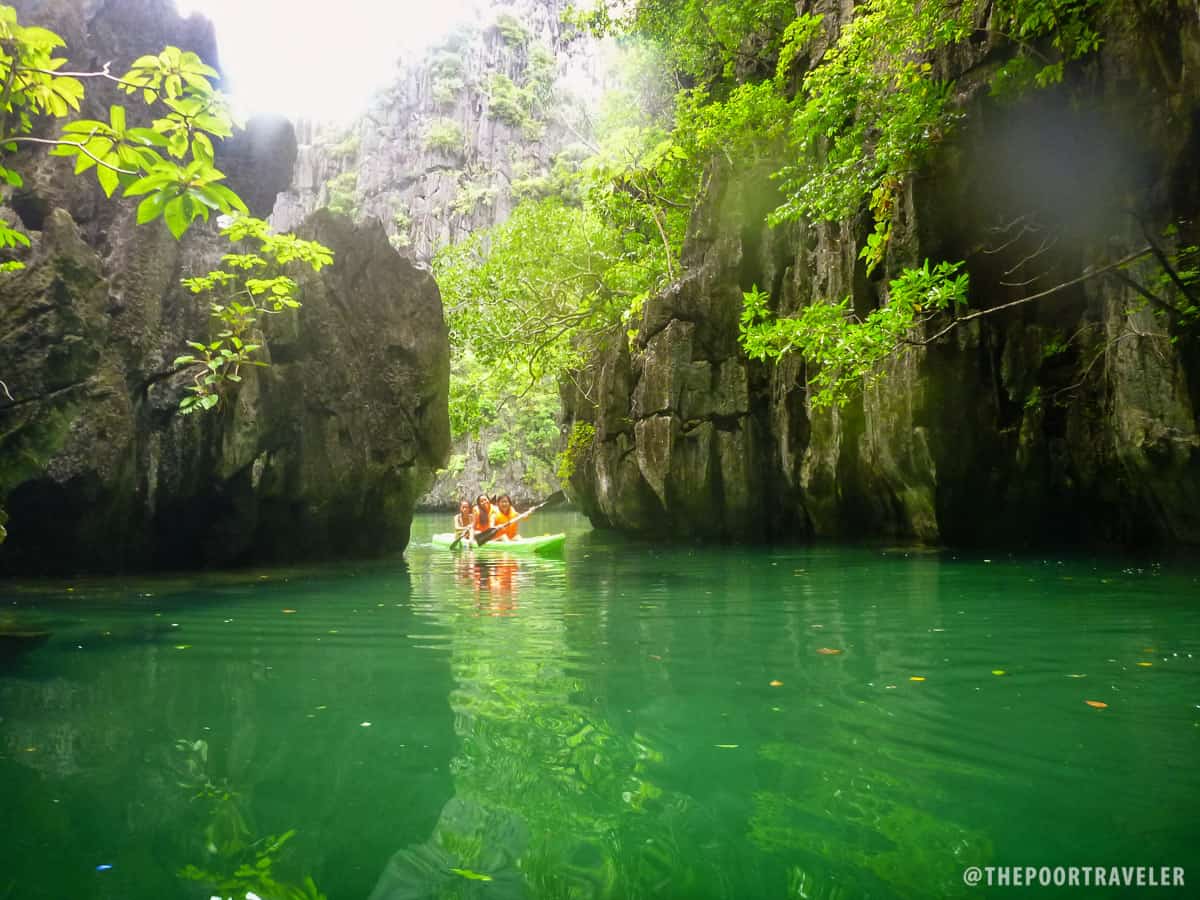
(542, 543)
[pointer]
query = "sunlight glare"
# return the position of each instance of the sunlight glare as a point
(283, 57)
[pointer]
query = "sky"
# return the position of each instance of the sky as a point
(282, 56)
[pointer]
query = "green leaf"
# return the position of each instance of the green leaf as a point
(109, 180)
(147, 136)
(175, 217)
(151, 207)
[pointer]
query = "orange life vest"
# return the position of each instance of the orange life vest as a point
(499, 518)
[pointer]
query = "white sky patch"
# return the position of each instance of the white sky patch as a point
(285, 57)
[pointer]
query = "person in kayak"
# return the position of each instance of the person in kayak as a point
(505, 513)
(464, 522)
(483, 513)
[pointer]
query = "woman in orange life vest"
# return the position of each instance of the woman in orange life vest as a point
(483, 513)
(464, 522)
(505, 513)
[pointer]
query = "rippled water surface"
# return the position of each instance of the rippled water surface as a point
(623, 721)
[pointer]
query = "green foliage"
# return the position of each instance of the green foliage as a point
(843, 350)
(444, 136)
(447, 89)
(341, 192)
(511, 30)
(540, 73)
(169, 165)
(498, 452)
(237, 864)
(246, 288)
(347, 147)
(446, 64)
(856, 121)
(517, 419)
(507, 102)
(707, 41)
(578, 444)
(472, 195)
(402, 237)
(534, 292)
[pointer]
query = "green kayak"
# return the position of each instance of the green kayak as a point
(542, 543)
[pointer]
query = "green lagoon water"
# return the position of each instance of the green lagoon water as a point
(626, 721)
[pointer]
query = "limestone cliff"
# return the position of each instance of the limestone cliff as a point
(1072, 419)
(323, 453)
(466, 130)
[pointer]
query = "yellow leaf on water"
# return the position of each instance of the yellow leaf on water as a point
(473, 876)
(776, 684)
(999, 672)
(289, 610)
(828, 651)
(1096, 704)
(917, 678)
(1145, 664)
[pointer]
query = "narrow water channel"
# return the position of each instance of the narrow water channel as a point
(622, 721)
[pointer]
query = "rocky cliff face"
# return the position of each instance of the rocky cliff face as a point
(1071, 419)
(465, 131)
(323, 453)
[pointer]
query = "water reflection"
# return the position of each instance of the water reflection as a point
(629, 721)
(494, 580)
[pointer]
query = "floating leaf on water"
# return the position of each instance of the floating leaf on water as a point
(776, 684)
(916, 678)
(1145, 664)
(474, 876)
(890, 687)
(726, 746)
(656, 656)
(289, 610)
(1076, 676)
(365, 724)
(828, 651)
(999, 672)
(1096, 704)
(183, 646)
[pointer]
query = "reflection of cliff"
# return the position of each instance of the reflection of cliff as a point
(552, 798)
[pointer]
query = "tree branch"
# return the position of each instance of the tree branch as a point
(56, 142)
(1124, 261)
